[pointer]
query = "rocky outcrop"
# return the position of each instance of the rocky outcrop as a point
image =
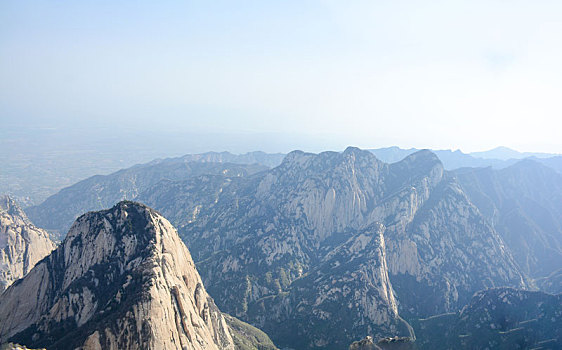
(122, 279)
(394, 343)
(501, 318)
(22, 244)
(364, 344)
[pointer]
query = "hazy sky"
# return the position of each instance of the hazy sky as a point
(439, 74)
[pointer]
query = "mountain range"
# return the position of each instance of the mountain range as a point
(498, 158)
(59, 211)
(325, 249)
(305, 237)
(101, 191)
(31, 178)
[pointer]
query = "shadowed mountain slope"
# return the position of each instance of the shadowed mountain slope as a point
(502, 318)
(524, 204)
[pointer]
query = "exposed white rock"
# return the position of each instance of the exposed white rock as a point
(22, 244)
(148, 293)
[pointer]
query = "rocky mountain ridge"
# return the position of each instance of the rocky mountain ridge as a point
(59, 211)
(497, 158)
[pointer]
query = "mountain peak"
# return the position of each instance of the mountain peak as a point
(303, 159)
(136, 283)
(296, 157)
(531, 168)
(423, 155)
(352, 150)
(501, 152)
(6, 202)
(423, 160)
(10, 206)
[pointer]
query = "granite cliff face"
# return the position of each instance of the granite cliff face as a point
(330, 229)
(22, 244)
(446, 253)
(122, 279)
(349, 288)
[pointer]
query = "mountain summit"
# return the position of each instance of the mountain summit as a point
(122, 279)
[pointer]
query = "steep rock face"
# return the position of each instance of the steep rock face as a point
(59, 211)
(22, 244)
(446, 253)
(524, 204)
(122, 279)
(348, 288)
(501, 318)
(275, 230)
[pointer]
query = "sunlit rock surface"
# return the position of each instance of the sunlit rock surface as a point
(122, 279)
(22, 244)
